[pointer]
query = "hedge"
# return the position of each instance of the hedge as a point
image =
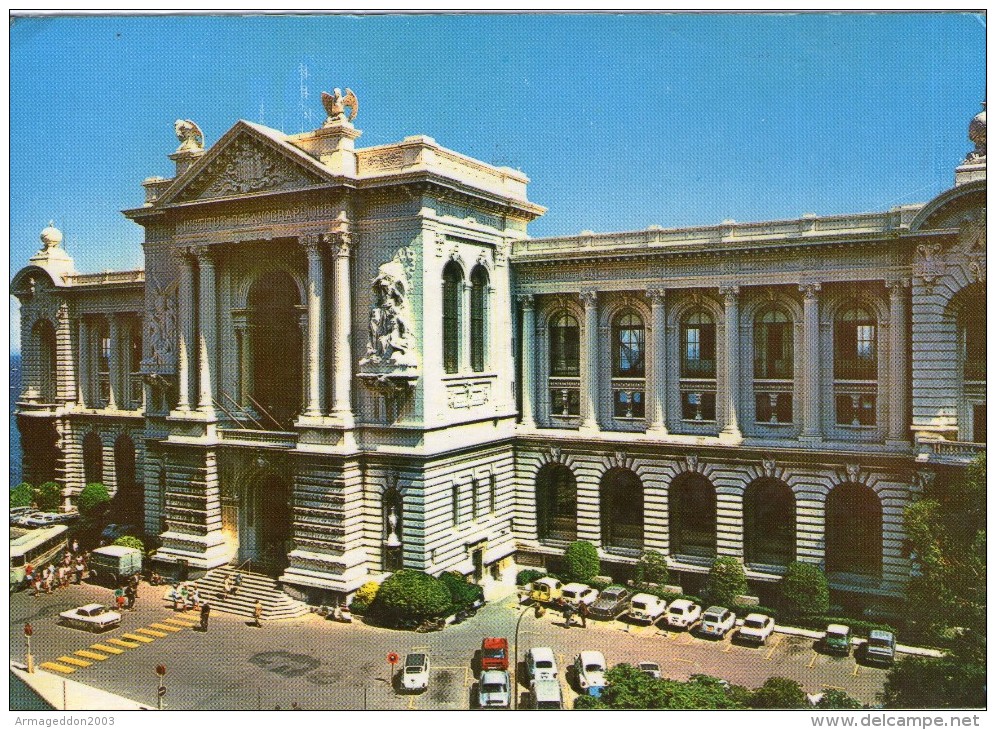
(129, 541)
(22, 495)
(860, 627)
(524, 577)
(411, 596)
(743, 609)
(462, 593)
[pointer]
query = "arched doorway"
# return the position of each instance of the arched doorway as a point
(275, 349)
(621, 499)
(854, 531)
(393, 513)
(692, 518)
(266, 522)
(769, 523)
(93, 459)
(128, 498)
(556, 504)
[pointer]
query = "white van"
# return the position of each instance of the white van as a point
(544, 694)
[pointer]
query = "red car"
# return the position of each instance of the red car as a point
(494, 654)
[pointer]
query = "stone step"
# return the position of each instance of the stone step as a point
(255, 587)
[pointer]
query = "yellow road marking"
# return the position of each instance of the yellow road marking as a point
(138, 637)
(411, 703)
(856, 668)
(58, 667)
(420, 648)
(150, 632)
(91, 655)
(106, 648)
(164, 627)
(778, 640)
(178, 622)
(125, 644)
(813, 660)
(74, 661)
(729, 647)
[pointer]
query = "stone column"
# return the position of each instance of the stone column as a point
(115, 397)
(342, 322)
(314, 363)
(85, 384)
(185, 304)
(207, 329)
(657, 375)
(812, 385)
(898, 432)
(589, 373)
(464, 320)
(732, 355)
(66, 372)
(528, 358)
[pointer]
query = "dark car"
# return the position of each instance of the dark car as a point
(611, 602)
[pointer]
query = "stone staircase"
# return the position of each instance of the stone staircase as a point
(255, 587)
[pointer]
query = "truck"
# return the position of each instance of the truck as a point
(546, 590)
(114, 563)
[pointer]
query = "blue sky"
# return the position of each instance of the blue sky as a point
(621, 121)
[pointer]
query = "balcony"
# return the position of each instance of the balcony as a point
(949, 452)
(264, 439)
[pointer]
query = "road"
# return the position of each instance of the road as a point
(321, 664)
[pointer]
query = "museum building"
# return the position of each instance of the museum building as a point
(339, 361)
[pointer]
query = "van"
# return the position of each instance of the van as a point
(114, 563)
(540, 664)
(494, 654)
(546, 590)
(544, 694)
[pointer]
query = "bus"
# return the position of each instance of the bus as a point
(39, 548)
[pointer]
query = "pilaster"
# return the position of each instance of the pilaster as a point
(812, 385)
(589, 374)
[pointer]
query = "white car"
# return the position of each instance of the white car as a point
(651, 669)
(415, 675)
(757, 628)
(590, 668)
(93, 617)
(682, 613)
(578, 593)
(540, 664)
(645, 607)
(717, 621)
(494, 689)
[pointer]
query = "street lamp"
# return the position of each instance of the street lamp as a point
(538, 611)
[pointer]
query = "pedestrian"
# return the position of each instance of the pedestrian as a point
(238, 583)
(229, 585)
(177, 597)
(257, 613)
(583, 613)
(568, 615)
(79, 568)
(132, 593)
(205, 615)
(119, 598)
(76, 546)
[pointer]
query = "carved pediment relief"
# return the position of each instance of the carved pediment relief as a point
(246, 166)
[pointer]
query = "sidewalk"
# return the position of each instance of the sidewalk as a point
(65, 694)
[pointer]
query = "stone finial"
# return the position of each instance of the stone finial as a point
(50, 237)
(335, 106)
(977, 134)
(190, 136)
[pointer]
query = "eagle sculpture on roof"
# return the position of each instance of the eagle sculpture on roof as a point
(335, 105)
(190, 135)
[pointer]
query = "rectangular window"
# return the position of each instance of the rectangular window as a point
(628, 404)
(565, 402)
(492, 494)
(856, 410)
(475, 494)
(773, 408)
(455, 500)
(699, 351)
(698, 406)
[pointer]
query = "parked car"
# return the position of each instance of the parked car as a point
(113, 531)
(415, 675)
(589, 670)
(22, 520)
(651, 669)
(494, 654)
(611, 602)
(113, 563)
(544, 694)
(682, 613)
(47, 519)
(494, 689)
(540, 664)
(757, 628)
(880, 647)
(92, 617)
(546, 590)
(717, 621)
(578, 593)
(837, 639)
(645, 607)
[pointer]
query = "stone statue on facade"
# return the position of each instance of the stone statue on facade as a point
(391, 342)
(190, 136)
(335, 105)
(977, 134)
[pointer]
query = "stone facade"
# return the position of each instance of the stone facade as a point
(339, 361)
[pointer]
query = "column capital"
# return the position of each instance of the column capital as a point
(203, 253)
(656, 295)
(311, 243)
(896, 286)
(729, 292)
(589, 297)
(341, 242)
(528, 301)
(810, 289)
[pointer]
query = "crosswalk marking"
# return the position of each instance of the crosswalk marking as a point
(106, 648)
(164, 627)
(61, 668)
(151, 632)
(91, 655)
(74, 661)
(177, 622)
(138, 637)
(125, 644)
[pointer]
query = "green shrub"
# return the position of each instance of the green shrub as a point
(835, 699)
(581, 562)
(410, 595)
(859, 627)
(48, 497)
(726, 581)
(805, 591)
(367, 592)
(359, 606)
(652, 568)
(742, 609)
(600, 585)
(462, 593)
(132, 542)
(779, 693)
(528, 575)
(22, 495)
(667, 595)
(91, 498)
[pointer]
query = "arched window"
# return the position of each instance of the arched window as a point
(102, 340)
(627, 346)
(452, 281)
(854, 531)
(93, 459)
(128, 497)
(393, 529)
(275, 352)
(478, 305)
(44, 334)
(565, 346)
(698, 346)
(692, 516)
(769, 523)
(855, 345)
(621, 499)
(556, 503)
(773, 345)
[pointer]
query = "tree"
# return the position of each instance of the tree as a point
(652, 568)
(805, 591)
(22, 495)
(462, 593)
(364, 597)
(581, 562)
(779, 693)
(91, 498)
(130, 541)
(48, 497)
(726, 581)
(835, 699)
(410, 595)
(920, 682)
(630, 689)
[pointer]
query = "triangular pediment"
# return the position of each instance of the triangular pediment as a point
(245, 161)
